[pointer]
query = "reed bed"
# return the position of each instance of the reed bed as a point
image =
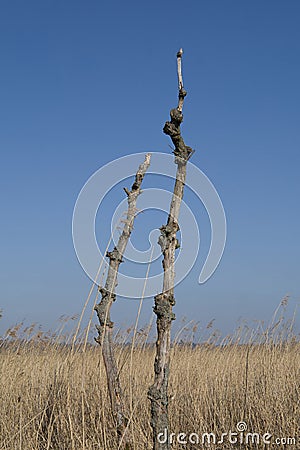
(54, 396)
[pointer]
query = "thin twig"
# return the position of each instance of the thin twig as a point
(182, 92)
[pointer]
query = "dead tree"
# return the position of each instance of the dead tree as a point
(108, 296)
(164, 302)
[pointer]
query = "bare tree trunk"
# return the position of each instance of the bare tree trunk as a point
(164, 302)
(105, 329)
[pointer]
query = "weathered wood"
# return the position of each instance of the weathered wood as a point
(164, 302)
(108, 296)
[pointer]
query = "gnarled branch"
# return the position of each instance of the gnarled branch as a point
(164, 302)
(105, 327)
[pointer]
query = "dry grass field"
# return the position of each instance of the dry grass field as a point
(55, 397)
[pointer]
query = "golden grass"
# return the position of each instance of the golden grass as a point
(56, 398)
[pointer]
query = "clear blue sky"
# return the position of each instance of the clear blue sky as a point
(85, 82)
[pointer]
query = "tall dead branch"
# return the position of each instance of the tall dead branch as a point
(108, 296)
(164, 302)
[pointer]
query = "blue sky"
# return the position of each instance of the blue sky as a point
(83, 83)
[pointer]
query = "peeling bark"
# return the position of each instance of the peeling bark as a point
(164, 302)
(108, 296)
